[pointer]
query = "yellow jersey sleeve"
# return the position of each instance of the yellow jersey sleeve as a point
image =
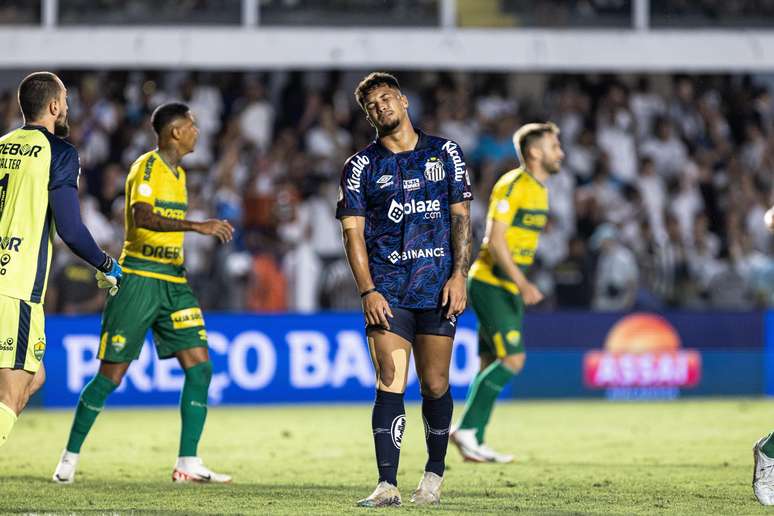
(141, 187)
(504, 200)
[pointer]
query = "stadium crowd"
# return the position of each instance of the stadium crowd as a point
(659, 203)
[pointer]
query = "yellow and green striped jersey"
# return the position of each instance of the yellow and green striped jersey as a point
(521, 202)
(154, 254)
(32, 162)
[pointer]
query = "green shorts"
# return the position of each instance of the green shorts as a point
(500, 315)
(169, 309)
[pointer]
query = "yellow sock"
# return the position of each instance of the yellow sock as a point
(7, 420)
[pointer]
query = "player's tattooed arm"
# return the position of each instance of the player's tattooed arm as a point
(454, 295)
(144, 217)
(461, 237)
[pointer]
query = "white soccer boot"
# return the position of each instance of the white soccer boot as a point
(65, 470)
(385, 495)
(492, 456)
(467, 444)
(191, 469)
(429, 490)
(763, 474)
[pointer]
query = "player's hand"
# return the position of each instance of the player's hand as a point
(530, 294)
(376, 310)
(109, 275)
(768, 218)
(221, 229)
(454, 295)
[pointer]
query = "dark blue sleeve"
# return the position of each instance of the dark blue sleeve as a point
(352, 198)
(69, 226)
(65, 166)
(459, 181)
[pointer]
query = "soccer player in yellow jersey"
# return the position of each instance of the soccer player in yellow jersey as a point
(38, 193)
(497, 286)
(155, 294)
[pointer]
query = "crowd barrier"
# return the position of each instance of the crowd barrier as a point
(324, 358)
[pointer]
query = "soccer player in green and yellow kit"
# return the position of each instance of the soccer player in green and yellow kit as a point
(497, 286)
(155, 294)
(38, 195)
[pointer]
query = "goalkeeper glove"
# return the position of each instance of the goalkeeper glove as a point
(109, 275)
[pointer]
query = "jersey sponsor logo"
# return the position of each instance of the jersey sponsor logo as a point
(7, 345)
(413, 254)
(20, 149)
(358, 165)
(460, 170)
(434, 169)
(430, 208)
(188, 318)
(533, 220)
(10, 243)
(411, 184)
(341, 195)
(397, 429)
(384, 181)
(167, 252)
(170, 213)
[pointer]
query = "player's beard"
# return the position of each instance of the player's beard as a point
(62, 127)
(388, 127)
(552, 167)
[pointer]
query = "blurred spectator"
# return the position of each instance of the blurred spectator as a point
(659, 201)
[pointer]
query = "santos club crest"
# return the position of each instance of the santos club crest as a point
(434, 170)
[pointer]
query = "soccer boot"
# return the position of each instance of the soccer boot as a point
(65, 470)
(385, 495)
(429, 490)
(191, 469)
(763, 474)
(466, 443)
(492, 456)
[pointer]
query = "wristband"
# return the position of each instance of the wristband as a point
(107, 265)
(369, 291)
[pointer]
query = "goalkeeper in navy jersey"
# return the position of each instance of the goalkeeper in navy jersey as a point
(404, 207)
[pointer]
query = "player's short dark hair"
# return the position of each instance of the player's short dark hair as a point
(167, 113)
(36, 91)
(371, 81)
(529, 134)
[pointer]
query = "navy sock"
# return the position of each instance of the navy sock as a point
(388, 422)
(437, 416)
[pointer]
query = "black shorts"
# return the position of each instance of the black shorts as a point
(410, 322)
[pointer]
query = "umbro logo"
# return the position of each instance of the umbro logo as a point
(384, 181)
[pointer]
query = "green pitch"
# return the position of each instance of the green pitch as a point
(686, 457)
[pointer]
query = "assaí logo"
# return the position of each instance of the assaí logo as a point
(358, 165)
(642, 359)
(431, 209)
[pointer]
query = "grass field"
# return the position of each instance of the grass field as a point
(686, 457)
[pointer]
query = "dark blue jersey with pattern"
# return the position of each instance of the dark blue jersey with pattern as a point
(405, 199)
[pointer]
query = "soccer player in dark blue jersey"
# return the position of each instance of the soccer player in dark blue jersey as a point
(404, 206)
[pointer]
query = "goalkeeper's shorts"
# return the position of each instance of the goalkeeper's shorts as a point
(169, 309)
(22, 334)
(499, 314)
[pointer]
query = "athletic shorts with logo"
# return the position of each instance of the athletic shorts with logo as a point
(169, 309)
(410, 322)
(22, 334)
(499, 314)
